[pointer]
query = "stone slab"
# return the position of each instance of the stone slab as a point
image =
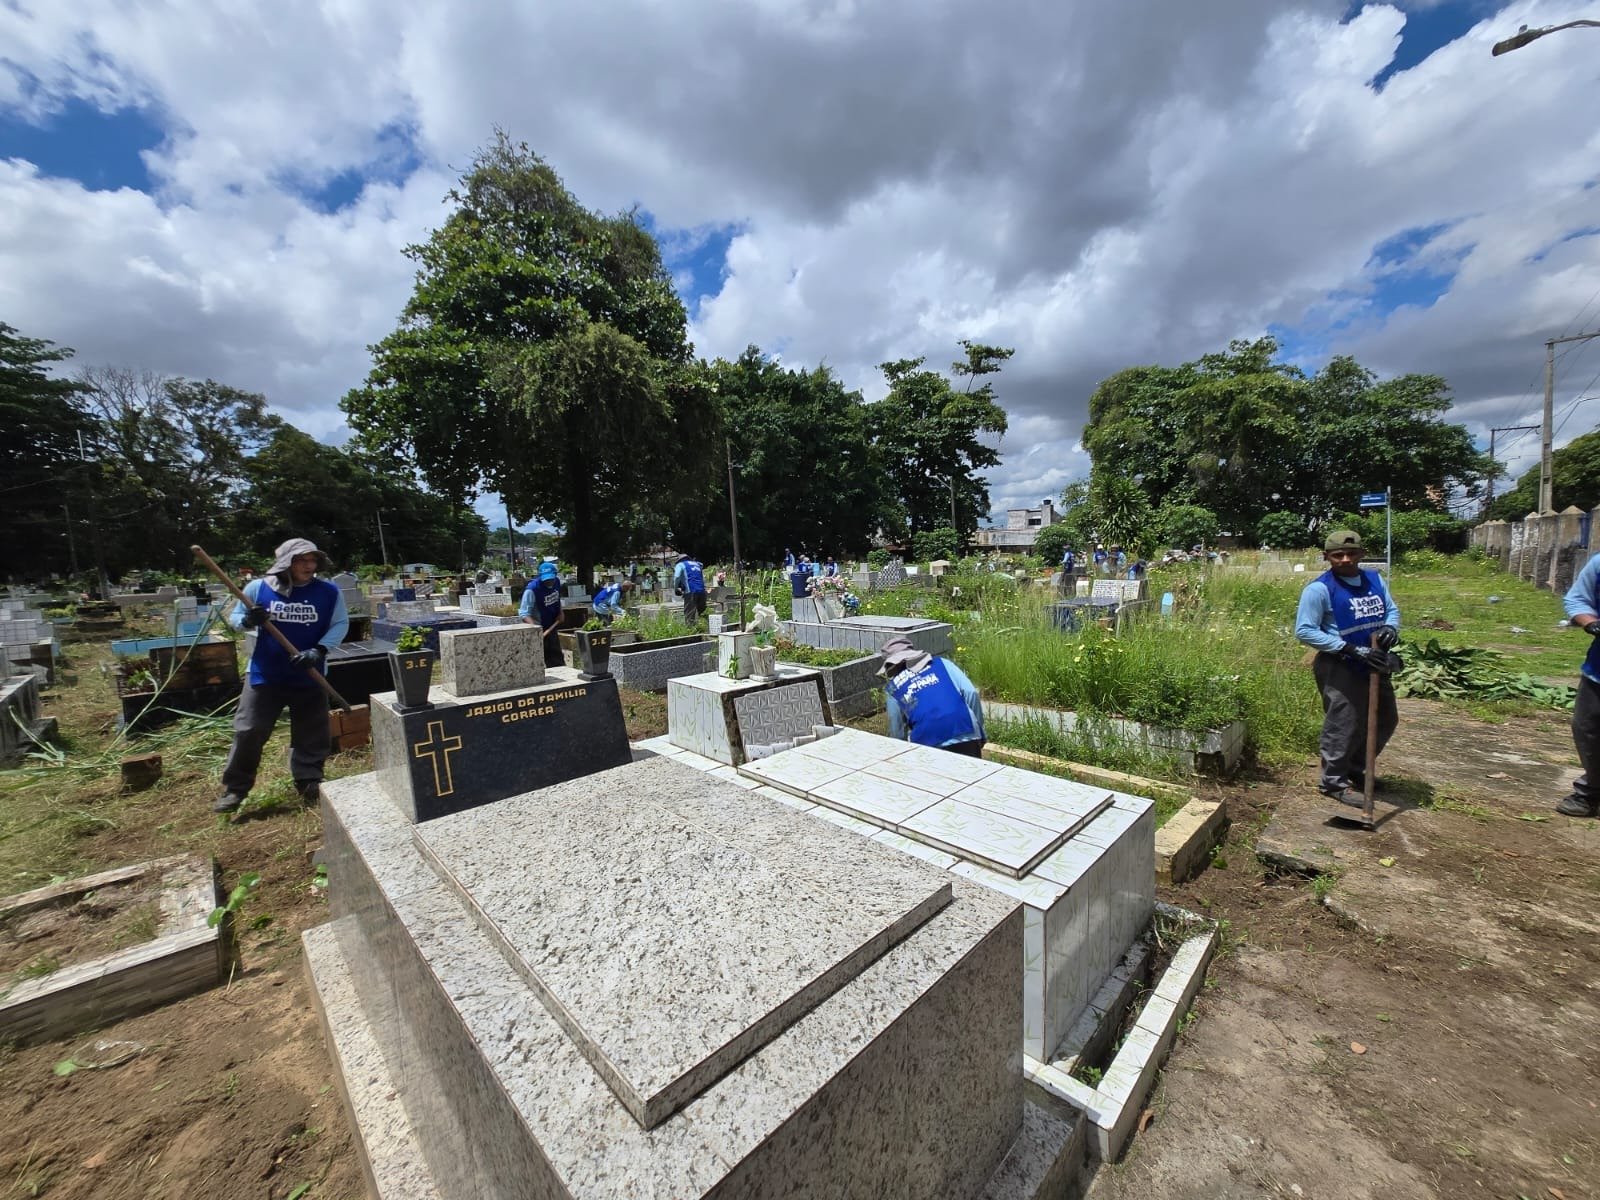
(902, 1085)
(464, 753)
(499, 658)
(1184, 843)
(992, 839)
(615, 905)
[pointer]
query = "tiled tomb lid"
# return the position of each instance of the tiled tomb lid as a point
(887, 623)
(669, 954)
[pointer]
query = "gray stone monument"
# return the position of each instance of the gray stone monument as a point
(653, 983)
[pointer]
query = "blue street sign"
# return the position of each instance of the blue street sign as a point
(1374, 499)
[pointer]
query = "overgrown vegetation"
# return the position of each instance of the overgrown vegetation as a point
(791, 651)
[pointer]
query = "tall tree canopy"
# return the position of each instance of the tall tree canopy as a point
(542, 355)
(806, 472)
(929, 434)
(1241, 434)
(40, 470)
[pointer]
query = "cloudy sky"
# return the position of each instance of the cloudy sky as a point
(223, 189)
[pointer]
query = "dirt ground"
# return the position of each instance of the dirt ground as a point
(1422, 1019)
(1467, 970)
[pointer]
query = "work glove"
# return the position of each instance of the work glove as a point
(1374, 659)
(310, 660)
(1592, 628)
(254, 616)
(1387, 636)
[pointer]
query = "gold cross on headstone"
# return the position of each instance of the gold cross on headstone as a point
(438, 748)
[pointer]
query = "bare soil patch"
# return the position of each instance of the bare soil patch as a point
(1424, 1020)
(81, 928)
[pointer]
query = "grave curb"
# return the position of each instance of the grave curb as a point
(1114, 1105)
(1184, 843)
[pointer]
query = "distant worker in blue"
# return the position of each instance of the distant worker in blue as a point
(788, 560)
(689, 581)
(830, 568)
(930, 700)
(541, 606)
(310, 612)
(608, 603)
(1100, 560)
(1583, 610)
(1342, 613)
(1069, 561)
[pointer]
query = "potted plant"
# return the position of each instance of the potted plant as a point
(594, 652)
(411, 665)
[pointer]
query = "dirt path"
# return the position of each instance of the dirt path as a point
(1467, 970)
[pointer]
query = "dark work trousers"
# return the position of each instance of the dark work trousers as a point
(1586, 737)
(972, 748)
(259, 706)
(694, 605)
(1343, 685)
(552, 648)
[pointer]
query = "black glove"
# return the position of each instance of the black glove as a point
(1387, 636)
(1593, 628)
(254, 616)
(311, 659)
(1380, 661)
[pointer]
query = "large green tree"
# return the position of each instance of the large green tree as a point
(1242, 434)
(169, 456)
(299, 487)
(543, 355)
(929, 433)
(41, 476)
(806, 474)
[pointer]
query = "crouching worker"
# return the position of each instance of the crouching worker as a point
(930, 700)
(310, 612)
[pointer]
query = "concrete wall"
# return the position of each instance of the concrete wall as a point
(1547, 549)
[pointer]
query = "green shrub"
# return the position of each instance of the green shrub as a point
(943, 542)
(1283, 531)
(877, 559)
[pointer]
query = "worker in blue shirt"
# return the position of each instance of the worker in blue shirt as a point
(1583, 610)
(930, 700)
(541, 606)
(608, 603)
(689, 581)
(311, 613)
(1342, 612)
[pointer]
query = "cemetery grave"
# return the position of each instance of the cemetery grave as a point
(1236, 1109)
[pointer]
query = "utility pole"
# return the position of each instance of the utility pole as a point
(1545, 480)
(733, 517)
(1489, 498)
(383, 549)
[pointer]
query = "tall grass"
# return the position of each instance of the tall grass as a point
(1228, 654)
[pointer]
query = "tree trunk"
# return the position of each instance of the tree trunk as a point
(581, 535)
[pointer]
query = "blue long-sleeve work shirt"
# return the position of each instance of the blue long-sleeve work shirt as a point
(1584, 594)
(897, 716)
(260, 592)
(1314, 624)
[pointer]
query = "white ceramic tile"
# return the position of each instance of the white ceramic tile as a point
(698, 761)
(916, 849)
(793, 772)
(1031, 890)
(951, 766)
(978, 835)
(783, 797)
(880, 801)
(1071, 800)
(917, 777)
(1069, 863)
(1133, 804)
(854, 749)
(1108, 826)
(1033, 982)
(844, 820)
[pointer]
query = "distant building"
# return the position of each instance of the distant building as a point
(1020, 531)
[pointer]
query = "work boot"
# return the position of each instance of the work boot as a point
(1576, 806)
(227, 802)
(1345, 795)
(310, 791)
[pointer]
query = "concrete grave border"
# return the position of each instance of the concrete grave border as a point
(185, 956)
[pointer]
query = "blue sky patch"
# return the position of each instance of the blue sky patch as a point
(78, 141)
(697, 258)
(395, 161)
(1426, 30)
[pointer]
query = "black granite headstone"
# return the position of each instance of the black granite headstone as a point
(461, 754)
